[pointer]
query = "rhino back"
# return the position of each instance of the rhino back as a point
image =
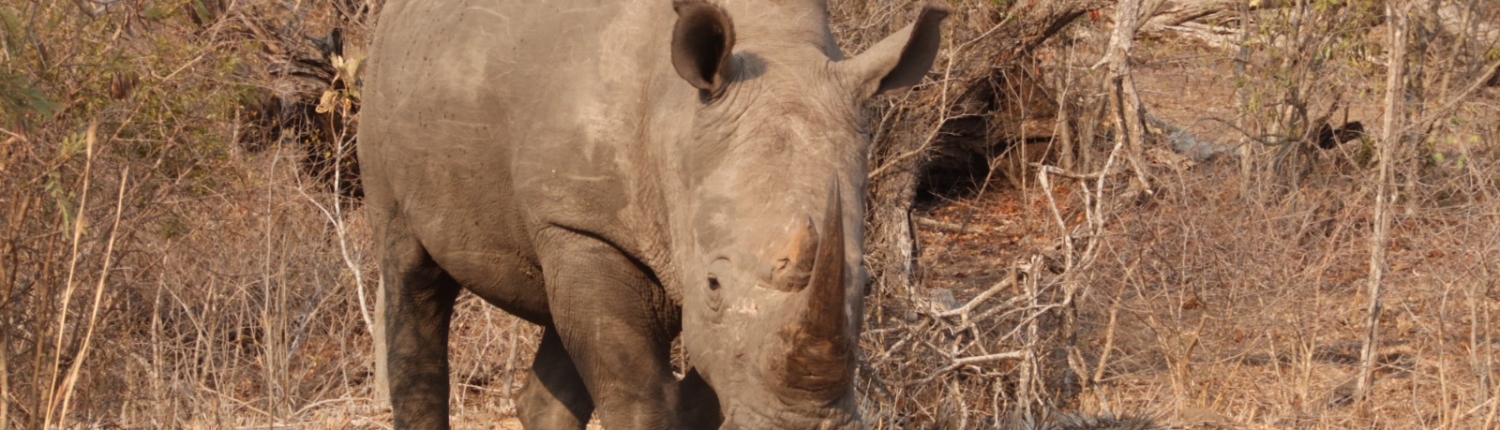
(489, 121)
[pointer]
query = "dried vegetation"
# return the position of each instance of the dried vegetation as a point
(1070, 227)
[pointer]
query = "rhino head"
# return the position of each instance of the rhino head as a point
(769, 226)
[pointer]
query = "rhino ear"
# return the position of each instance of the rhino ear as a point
(902, 58)
(702, 43)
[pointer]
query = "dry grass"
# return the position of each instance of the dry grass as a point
(229, 293)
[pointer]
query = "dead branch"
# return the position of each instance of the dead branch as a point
(956, 363)
(1126, 103)
(973, 303)
(1214, 35)
(1395, 113)
(949, 227)
(965, 361)
(1058, 171)
(1178, 12)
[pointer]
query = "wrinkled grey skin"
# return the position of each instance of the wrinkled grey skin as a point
(621, 172)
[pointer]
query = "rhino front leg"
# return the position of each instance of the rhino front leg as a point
(417, 309)
(554, 396)
(617, 325)
(699, 404)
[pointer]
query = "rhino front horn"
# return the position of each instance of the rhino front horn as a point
(818, 364)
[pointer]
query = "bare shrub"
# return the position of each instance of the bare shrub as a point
(221, 299)
(1217, 273)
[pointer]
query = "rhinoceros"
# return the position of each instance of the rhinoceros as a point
(621, 172)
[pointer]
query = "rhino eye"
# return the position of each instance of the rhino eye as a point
(715, 299)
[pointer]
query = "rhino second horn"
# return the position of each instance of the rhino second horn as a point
(818, 365)
(794, 270)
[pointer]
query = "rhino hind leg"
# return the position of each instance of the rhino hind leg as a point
(554, 396)
(417, 310)
(617, 325)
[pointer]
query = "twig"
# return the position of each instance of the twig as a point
(1472, 411)
(967, 361)
(1062, 226)
(1109, 343)
(890, 164)
(1489, 420)
(243, 404)
(4, 377)
(315, 405)
(1030, 367)
(62, 315)
(1395, 92)
(84, 7)
(1447, 107)
(336, 218)
(1009, 281)
(987, 358)
(169, 76)
(1058, 171)
(948, 226)
(510, 361)
(892, 349)
(88, 335)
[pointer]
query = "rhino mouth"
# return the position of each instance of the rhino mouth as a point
(738, 418)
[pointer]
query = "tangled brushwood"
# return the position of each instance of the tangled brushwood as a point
(1092, 214)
